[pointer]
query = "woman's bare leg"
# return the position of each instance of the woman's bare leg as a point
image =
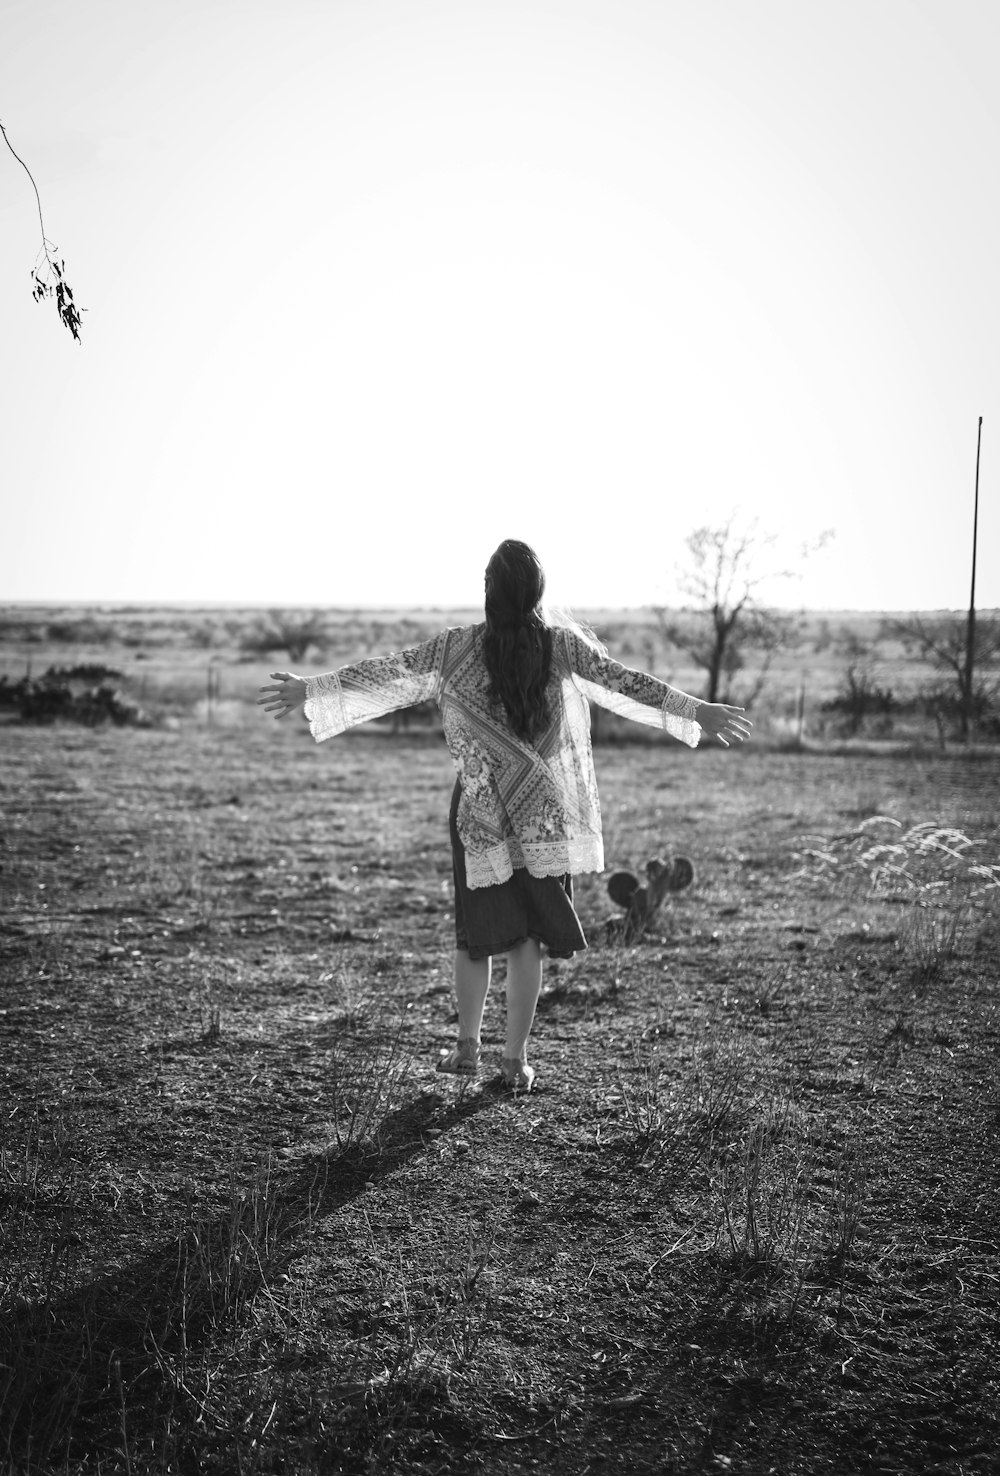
(524, 984)
(472, 984)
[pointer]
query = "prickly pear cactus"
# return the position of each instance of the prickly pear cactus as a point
(642, 903)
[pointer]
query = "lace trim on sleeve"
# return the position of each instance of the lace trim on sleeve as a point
(324, 707)
(681, 722)
(369, 689)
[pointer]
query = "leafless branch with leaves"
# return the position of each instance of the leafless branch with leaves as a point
(48, 275)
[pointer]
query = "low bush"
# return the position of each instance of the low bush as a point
(945, 706)
(80, 694)
(860, 699)
(285, 631)
(80, 631)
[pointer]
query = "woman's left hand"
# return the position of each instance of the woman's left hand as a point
(723, 722)
(285, 697)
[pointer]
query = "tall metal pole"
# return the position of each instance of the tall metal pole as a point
(970, 637)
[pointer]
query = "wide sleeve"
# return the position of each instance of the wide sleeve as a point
(631, 694)
(339, 700)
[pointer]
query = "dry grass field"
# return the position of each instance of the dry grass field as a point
(747, 1220)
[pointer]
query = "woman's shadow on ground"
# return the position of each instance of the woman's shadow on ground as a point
(70, 1363)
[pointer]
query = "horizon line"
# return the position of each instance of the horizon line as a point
(382, 607)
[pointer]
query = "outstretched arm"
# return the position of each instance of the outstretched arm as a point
(645, 699)
(368, 689)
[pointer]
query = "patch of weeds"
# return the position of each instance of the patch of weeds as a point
(770, 1206)
(763, 1183)
(662, 1106)
(349, 998)
(936, 871)
(767, 995)
(363, 1085)
(221, 1263)
(664, 1027)
(721, 1073)
(183, 881)
(214, 990)
(930, 936)
(621, 956)
(847, 1205)
(40, 1194)
(209, 1017)
(645, 1099)
(41, 955)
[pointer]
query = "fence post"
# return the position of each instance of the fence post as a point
(800, 711)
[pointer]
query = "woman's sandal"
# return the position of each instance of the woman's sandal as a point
(462, 1060)
(516, 1073)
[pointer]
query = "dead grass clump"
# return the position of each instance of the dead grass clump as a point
(772, 1200)
(363, 1086)
(660, 1105)
(944, 879)
(763, 1183)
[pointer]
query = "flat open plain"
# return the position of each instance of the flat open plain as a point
(746, 1221)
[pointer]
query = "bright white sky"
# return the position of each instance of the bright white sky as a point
(372, 284)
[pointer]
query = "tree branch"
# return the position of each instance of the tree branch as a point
(50, 280)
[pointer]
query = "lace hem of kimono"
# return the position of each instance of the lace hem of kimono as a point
(540, 858)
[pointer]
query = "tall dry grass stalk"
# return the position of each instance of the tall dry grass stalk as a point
(363, 1086)
(946, 880)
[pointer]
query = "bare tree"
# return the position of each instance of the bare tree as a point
(943, 643)
(49, 272)
(726, 570)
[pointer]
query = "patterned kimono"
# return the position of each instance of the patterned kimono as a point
(531, 804)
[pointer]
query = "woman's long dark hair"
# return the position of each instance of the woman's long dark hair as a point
(517, 647)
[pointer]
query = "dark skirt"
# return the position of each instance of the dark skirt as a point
(495, 919)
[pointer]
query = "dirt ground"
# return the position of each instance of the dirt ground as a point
(747, 1220)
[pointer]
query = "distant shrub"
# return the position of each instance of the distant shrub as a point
(285, 631)
(861, 698)
(84, 671)
(17, 628)
(823, 638)
(203, 635)
(80, 694)
(946, 706)
(85, 631)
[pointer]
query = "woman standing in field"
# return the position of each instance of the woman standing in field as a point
(525, 816)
